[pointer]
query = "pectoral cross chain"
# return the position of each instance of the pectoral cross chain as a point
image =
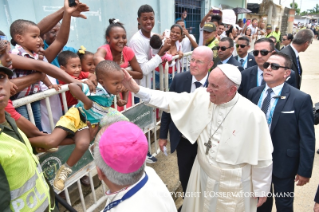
(208, 146)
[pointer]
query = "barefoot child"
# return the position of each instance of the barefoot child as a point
(92, 107)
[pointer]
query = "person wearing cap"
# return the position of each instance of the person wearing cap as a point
(224, 124)
(268, 30)
(21, 179)
(120, 151)
(277, 35)
(286, 109)
(210, 40)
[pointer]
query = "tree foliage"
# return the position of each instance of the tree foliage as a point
(296, 8)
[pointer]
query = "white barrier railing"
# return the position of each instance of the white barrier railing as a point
(89, 169)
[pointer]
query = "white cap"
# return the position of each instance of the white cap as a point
(231, 72)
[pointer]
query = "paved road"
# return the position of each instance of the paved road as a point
(167, 169)
(310, 84)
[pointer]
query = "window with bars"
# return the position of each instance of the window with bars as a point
(193, 19)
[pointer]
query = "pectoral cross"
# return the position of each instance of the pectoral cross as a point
(208, 146)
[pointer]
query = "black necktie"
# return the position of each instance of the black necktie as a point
(262, 79)
(242, 62)
(298, 64)
(198, 84)
(266, 102)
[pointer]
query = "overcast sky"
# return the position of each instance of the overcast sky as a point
(304, 4)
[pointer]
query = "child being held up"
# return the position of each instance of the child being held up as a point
(92, 107)
(71, 64)
(156, 42)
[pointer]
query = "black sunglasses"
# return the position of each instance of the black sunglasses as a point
(274, 66)
(262, 52)
(223, 48)
(240, 45)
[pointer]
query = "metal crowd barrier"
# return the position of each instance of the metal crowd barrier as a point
(89, 169)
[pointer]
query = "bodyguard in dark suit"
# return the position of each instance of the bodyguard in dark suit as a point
(299, 44)
(225, 52)
(246, 60)
(290, 119)
(253, 76)
(200, 63)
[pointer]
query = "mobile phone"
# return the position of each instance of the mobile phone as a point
(167, 33)
(72, 3)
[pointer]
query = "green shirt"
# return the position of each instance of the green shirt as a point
(10, 128)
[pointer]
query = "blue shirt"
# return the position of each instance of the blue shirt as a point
(276, 92)
(102, 100)
(65, 48)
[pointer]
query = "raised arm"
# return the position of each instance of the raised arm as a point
(202, 23)
(191, 38)
(47, 23)
(63, 35)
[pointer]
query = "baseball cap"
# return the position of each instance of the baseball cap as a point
(123, 147)
(209, 27)
(6, 70)
(269, 26)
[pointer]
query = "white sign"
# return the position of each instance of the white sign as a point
(229, 17)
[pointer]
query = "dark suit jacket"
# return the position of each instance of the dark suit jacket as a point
(181, 83)
(250, 61)
(292, 132)
(290, 52)
(249, 80)
(234, 62)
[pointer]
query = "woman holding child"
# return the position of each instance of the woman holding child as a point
(117, 51)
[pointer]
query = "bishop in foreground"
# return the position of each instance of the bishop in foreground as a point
(233, 167)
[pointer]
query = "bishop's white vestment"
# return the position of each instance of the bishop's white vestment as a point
(238, 164)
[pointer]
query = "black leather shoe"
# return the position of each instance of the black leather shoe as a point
(85, 180)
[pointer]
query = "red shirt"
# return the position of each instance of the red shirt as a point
(12, 111)
(69, 97)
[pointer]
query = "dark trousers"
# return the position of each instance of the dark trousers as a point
(282, 187)
(186, 154)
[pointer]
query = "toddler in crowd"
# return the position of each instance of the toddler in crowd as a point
(71, 64)
(92, 107)
(87, 61)
(156, 42)
(26, 39)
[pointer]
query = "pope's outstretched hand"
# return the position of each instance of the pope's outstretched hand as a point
(129, 83)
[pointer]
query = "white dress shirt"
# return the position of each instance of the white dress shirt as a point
(203, 81)
(276, 91)
(259, 76)
(245, 61)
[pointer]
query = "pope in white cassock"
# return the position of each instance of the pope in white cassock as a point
(234, 157)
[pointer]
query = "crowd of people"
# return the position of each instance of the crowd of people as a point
(242, 90)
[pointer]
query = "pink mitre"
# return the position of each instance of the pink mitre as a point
(123, 147)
